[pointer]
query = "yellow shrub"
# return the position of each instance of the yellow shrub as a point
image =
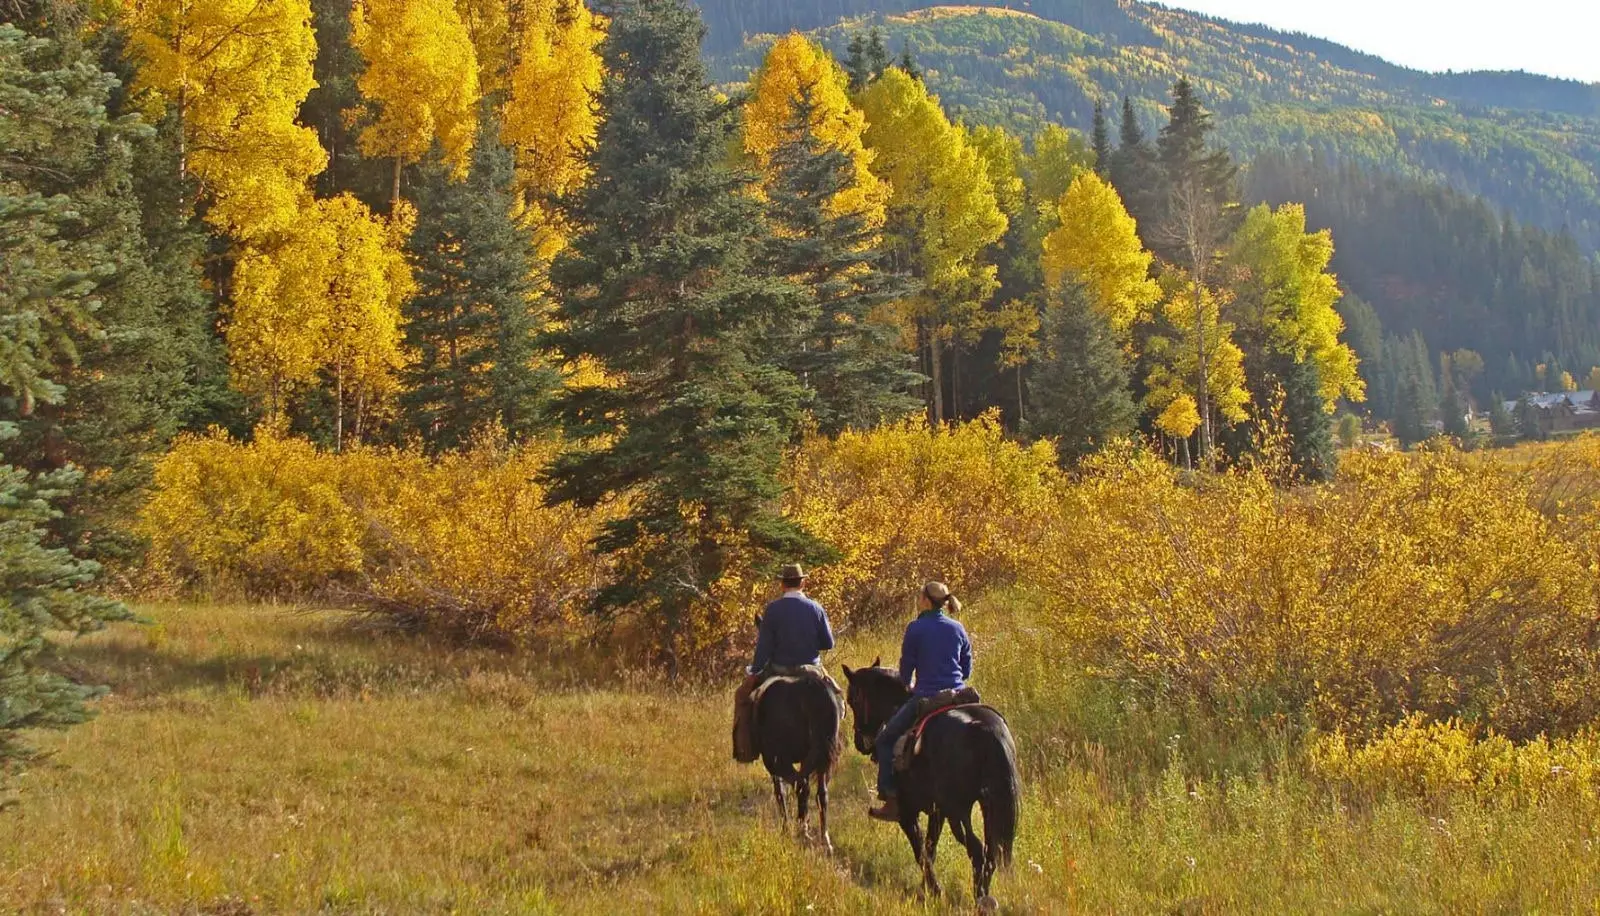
(1414, 582)
(909, 502)
(461, 542)
(1443, 759)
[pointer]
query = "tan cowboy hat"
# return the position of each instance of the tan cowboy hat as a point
(792, 571)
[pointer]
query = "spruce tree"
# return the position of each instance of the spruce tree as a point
(1453, 415)
(472, 323)
(877, 54)
(846, 354)
(1101, 141)
(1309, 425)
(908, 63)
(1133, 171)
(857, 65)
(665, 290)
(1501, 421)
(1079, 386)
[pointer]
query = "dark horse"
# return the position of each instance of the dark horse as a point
(798, 726)
(967, 758)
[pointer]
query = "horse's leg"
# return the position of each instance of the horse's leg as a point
(803, 788)
(822, 811)
(930, 852)
(911, 825)
(982, 868)
(777, 792)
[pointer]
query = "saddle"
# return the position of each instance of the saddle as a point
(909, 745)
(784, 674)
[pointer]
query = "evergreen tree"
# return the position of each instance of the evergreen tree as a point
(1133, 171)
(877, 54)
(845, 352)
(1501, 422)
(471, 323)
(665, 291)
(1453, 415)
(857, 65)
(1079, 386)
(1416, 396)
(1306, 418)
(1101, 141)
(908, 63)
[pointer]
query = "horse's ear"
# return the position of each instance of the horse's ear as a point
(877, 662)
(849, 675)
(757, 619)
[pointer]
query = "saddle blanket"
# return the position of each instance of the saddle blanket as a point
(780, 673)
(909, 745)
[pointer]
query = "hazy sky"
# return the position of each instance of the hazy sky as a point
(1556, 37)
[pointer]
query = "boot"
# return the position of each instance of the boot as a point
(888, 810)
(744, 725)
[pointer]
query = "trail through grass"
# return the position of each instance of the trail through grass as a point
(260, 760)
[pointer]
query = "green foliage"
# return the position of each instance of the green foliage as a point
(473, 320)
(664, 290)
(1079, 387)
(1348, 430)
(1530, 145)
(843, 344)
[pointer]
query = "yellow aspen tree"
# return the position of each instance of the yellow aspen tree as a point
(942, 215)
(797, 70)
(549, 119)
(1171, 385)
(234, 74)
(488, 24)
(420, 83)
(1096, 245)
(324, 298)
(1002, 155)
(1284, 289)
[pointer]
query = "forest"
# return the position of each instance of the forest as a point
(406, 404)
(1528, 145)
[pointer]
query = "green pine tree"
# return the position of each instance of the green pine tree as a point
(1102, 141)
(472, 322)
(845, 352)
(1501, 421)
(1079, 385)
(857, 65)
(877, 54)
(1453, 415)
(908, 63)
(1310, 427)
(665, 290)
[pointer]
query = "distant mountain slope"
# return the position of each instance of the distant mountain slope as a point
(1528, 144)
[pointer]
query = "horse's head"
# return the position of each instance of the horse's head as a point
(874, 695)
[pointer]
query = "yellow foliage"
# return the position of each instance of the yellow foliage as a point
(794, 70)
(1438, 760)
(1175, 361)
(463, 542)
(489, 26)
(234, 73)
(324, 295)
(1290, 294)
(1097, 245)
(1414, 583)
(905, 503)
(420, 81)
(549, 120)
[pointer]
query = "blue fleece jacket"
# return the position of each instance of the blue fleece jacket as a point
(794, 631)
(935, 654)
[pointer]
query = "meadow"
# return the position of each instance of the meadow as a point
(268, 759)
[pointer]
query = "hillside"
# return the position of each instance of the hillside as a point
(1529, 145)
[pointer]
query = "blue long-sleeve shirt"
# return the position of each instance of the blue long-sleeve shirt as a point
(935, 655)
(794, 631)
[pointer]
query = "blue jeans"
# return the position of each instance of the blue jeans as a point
(898, 724)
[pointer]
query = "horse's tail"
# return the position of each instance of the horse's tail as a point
(999, 795)
(825, 734)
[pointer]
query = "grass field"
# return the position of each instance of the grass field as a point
(261, 760)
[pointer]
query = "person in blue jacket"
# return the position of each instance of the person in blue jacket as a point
(794, 633)
(935, 656)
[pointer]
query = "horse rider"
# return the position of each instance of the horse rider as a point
(794, 633)
(935, 656)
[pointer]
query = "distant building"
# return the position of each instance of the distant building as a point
(1562, 412)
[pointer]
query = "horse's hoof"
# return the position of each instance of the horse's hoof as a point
(987, 904)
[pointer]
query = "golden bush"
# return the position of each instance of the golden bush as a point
(910, 502)
(1444, 759)
(461, 542)
(1426, 583)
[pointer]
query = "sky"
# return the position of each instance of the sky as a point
(1553, 37)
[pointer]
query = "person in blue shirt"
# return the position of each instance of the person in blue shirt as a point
(935, 656)
(794, 632)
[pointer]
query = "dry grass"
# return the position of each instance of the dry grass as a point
(255, 760)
